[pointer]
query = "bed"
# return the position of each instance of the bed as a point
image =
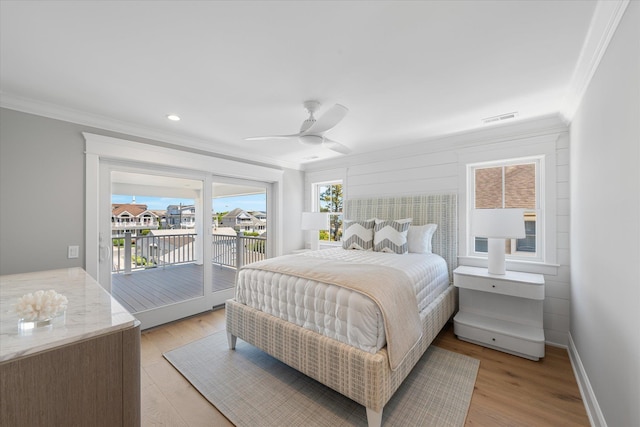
(368, 372)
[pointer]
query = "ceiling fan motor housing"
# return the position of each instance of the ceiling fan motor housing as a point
(311, 139)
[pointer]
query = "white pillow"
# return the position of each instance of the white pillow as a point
(419, 238)
(391, 236)
(358, 235)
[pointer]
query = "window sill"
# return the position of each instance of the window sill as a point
(514, 265)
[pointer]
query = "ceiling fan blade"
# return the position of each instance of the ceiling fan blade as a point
(265, 138)
(328, 120)
(335, 146)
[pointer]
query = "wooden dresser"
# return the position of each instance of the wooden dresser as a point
(83, 370)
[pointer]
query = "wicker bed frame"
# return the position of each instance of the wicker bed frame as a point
(364, 377)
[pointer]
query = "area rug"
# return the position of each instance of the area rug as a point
(252, 388)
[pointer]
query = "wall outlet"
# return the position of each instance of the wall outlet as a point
(73, 251)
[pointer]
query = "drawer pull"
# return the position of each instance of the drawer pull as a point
(493, 339)
(493, 286)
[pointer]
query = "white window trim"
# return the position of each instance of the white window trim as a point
(313, 179)
(315, 203)
(539, 210)
(543, 147)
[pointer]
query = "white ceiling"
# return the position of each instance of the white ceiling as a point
(407, 71)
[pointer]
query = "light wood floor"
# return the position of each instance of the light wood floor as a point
(509, 390)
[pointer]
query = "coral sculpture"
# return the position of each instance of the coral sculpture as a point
(41, 305)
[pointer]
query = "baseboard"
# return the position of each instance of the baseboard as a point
(558, 345)
(588, 397)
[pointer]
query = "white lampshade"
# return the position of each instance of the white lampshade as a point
(315, 221)
(498, 225)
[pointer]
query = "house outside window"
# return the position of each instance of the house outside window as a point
(329, 198)
(510, 184)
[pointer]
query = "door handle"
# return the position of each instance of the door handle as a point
(104, 253)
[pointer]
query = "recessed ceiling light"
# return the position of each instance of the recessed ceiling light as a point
(173, 117)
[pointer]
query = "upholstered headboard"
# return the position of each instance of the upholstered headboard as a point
(441, 209)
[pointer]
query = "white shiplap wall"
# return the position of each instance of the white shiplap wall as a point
(435, 166)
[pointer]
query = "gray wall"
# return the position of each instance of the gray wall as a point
(605, 228)
(42, 192)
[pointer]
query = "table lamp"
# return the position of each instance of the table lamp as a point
(497, 225)
(315, 221)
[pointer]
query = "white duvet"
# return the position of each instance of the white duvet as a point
(336, 312)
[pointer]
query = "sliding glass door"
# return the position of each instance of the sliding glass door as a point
(166, 230)
(240, 225)
(163, 264)
(157, 222)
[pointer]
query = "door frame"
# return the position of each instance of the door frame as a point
(103, 151)
(166, 313)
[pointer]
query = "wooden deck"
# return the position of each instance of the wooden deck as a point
(156, 287)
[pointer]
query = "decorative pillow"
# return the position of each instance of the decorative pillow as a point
(419, 238)
(358, 235)
(391, 236)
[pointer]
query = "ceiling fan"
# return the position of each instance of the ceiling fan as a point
(312, 131)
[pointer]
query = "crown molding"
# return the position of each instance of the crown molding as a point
(83, 118)
(520, 129)
(605, 20)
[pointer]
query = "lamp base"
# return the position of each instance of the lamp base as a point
(314, 242)
(496, 256)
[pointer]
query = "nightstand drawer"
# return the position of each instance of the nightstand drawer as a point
(527, 343)
(499, 286)
(517, 284)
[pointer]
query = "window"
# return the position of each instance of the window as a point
(330, 199)
(509, 184)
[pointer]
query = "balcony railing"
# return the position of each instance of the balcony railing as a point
(134, 223)
(142, 252)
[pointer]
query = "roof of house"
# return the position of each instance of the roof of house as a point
(132, 208)
(236, 213)
(224, 231)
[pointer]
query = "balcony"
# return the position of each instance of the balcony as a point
(118, 228)
(157, 270)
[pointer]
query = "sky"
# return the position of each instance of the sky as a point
(255, 202)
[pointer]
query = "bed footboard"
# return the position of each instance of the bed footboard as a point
(363, 377)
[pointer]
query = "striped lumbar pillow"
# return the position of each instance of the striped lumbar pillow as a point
(358, 235)
(391, 236)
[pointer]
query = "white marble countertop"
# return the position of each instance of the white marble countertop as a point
(91, 311)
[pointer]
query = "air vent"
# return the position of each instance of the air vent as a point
(500, 118)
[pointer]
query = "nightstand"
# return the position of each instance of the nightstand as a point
(503, 312)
